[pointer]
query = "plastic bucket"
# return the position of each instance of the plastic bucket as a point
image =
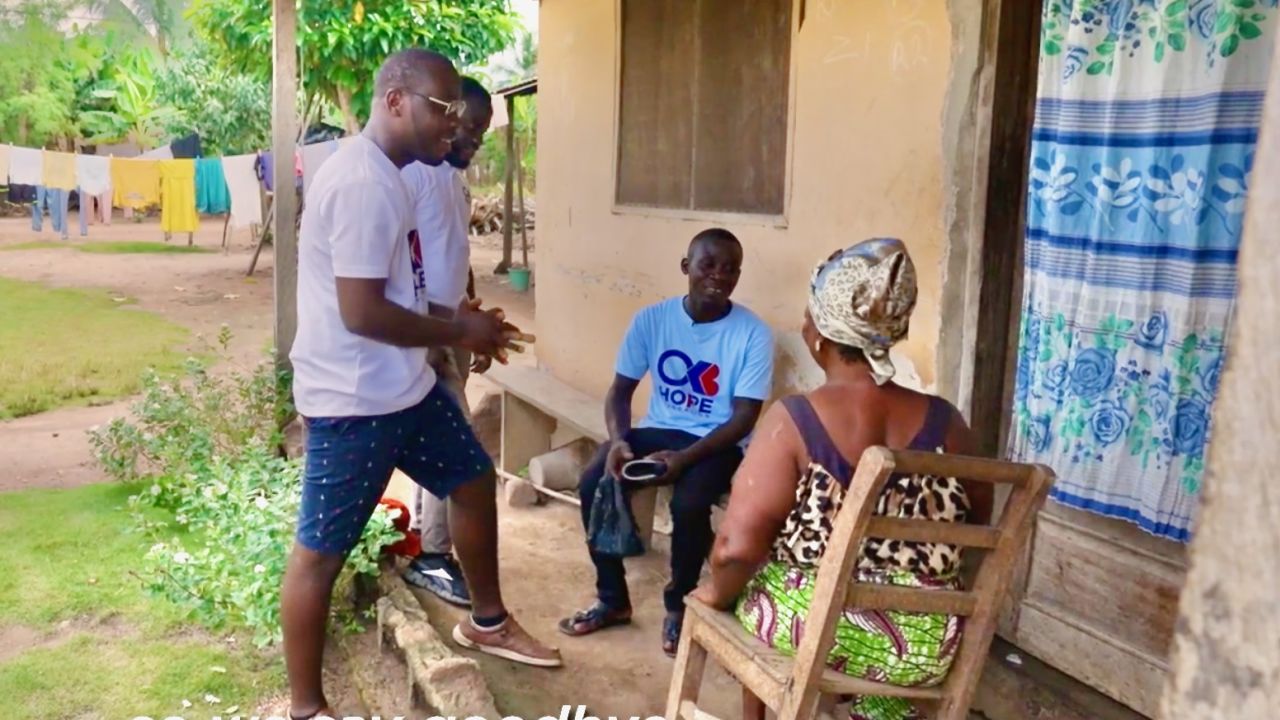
(519, 279)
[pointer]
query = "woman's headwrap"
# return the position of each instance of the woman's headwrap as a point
(863, 296)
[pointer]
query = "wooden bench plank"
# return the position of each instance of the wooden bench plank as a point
(580, 411)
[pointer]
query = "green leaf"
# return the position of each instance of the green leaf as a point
(1152, 31)
(1178, 41)
(1097, 67)
(1159, 52)
(1106, 48)
(1257, 17)
(1249, 31)
(1224, 23)
(1174, 9)
(1230, 45)
(1051, 48)
(1244, 4)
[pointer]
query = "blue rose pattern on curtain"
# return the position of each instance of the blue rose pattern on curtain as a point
(1142, 152)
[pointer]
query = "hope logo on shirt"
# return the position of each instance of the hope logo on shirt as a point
(677, 371)
(415, 259)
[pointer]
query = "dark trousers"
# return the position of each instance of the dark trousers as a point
(695, 492)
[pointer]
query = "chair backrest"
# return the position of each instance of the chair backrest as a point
(979, 603)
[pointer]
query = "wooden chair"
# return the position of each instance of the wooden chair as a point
(794, 686)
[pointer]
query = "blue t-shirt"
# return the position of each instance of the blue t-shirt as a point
(697, 368)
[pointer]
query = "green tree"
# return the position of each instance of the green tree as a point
(343, 42)
(42, 71)
(136, 111)
(231, 111)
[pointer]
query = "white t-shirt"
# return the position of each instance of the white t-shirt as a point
(442, 210)
(357, 223)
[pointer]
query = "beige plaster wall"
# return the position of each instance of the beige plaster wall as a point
(870, 83)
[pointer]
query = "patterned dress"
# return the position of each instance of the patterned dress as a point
(901, 648)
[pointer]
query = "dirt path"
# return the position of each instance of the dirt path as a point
(198, 291)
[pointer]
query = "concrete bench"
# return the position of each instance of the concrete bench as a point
(540, 413)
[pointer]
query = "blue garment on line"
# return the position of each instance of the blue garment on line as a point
(212, 195)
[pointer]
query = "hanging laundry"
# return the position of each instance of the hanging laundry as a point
(266, 166)
(313, 156)
(212, 196)
(19, 194)
(186, 147)
(4, 162)
(178, 196)
(59, 170)
(94, 175)
(160, 153)
(136, 182)
(26, 166)
(244, 189)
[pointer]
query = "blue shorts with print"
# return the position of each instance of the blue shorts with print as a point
(350, 460)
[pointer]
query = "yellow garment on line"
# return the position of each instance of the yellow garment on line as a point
(59, 170)
(178, 196)
(136, 183)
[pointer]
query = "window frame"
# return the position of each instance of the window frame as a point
(775, 220)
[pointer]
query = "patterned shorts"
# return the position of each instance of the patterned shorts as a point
(350, 461)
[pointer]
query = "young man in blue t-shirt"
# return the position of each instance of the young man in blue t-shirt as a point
(711, 362)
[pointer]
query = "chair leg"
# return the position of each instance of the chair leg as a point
(686, 675)
(752, 706)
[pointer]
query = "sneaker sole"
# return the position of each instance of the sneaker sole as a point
(411, 578)
(503, 653)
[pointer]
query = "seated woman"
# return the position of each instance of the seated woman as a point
(792, 481)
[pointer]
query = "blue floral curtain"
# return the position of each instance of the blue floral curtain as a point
(1142, 152)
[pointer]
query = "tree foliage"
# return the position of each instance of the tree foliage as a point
(231, 111)
(343, 42)
(43, 73)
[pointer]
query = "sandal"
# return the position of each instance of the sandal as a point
(593, 619)
(671, 626)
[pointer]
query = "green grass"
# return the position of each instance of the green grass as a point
(67, 556)
(112, 247)
(67, 347)
(35, 245)
(140, 247)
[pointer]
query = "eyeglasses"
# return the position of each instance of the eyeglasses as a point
(455, 108)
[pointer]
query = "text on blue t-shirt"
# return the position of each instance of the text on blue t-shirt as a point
(697, 368)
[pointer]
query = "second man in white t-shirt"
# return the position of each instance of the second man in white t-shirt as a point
(442, 209)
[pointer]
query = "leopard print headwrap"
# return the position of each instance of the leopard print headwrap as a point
(863, 296)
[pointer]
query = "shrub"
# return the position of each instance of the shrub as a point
(205, 445)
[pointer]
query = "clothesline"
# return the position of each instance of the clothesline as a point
(182, 187)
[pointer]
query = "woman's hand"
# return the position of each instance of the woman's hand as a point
(707, 595)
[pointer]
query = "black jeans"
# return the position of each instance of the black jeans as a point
(695, 492)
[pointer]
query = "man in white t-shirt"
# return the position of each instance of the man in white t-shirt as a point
(442, 207)
(361, 379)
(711, 364)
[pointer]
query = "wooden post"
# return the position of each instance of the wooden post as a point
(505, 264)
(524, 231)
(1225, 660)
(284, 134)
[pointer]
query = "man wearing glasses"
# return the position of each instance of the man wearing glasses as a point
(442, 209)
(362, 382)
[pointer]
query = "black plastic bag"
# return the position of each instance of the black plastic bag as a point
(612, 530)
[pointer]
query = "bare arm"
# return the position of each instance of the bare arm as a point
(960, 441)
(764, 492)
(745, 413)
(617, 406)
(367, 312)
